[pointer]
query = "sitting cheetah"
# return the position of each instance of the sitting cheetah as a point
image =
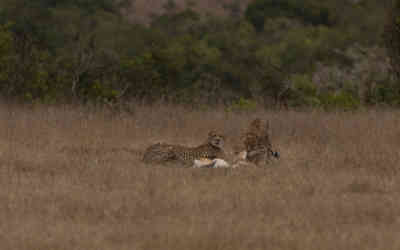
(166, 153)
(257, 143)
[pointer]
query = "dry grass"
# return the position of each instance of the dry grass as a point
(72, 179)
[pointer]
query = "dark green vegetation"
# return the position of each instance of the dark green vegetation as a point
(392, 37)
(287, 52)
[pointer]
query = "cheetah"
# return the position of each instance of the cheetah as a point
(162, 153)
(257, 143)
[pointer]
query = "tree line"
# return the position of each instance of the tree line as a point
(330, 54)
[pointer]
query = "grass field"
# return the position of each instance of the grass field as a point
(71, 178)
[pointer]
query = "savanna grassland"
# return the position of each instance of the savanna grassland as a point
(71, 178)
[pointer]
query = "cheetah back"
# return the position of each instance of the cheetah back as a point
(159, 153)
(189, 154)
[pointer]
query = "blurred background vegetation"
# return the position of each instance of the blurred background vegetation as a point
(333, 54)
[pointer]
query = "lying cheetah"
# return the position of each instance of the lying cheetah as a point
(162, 153)
(257, 143)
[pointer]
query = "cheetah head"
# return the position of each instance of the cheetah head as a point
(257, 125)
(215, 139)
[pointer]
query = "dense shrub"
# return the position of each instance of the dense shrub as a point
(392, 36)
(86, 51)
(307, 11)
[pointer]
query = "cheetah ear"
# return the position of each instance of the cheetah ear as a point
(212, 133)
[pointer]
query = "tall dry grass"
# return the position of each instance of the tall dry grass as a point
(71, 178)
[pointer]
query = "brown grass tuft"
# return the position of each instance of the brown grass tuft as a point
(71, 178)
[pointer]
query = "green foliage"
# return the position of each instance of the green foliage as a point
(392, 37)
(5, 52)
(143, 77)
(305, 92)
(242, 105)
(342, 100)
(100, 92)
(84, 50)
(203, 54)
(311, 12)
(173, 23)
(383, 92)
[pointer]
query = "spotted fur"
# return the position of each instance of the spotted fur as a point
(164, 153)
(257, 143)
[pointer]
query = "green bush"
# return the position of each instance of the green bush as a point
(87, 51)
(339, 100)
(304, 92)
(6, 55)
(306, 11)
(392, 37)
(242, 105)
(385, 92)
